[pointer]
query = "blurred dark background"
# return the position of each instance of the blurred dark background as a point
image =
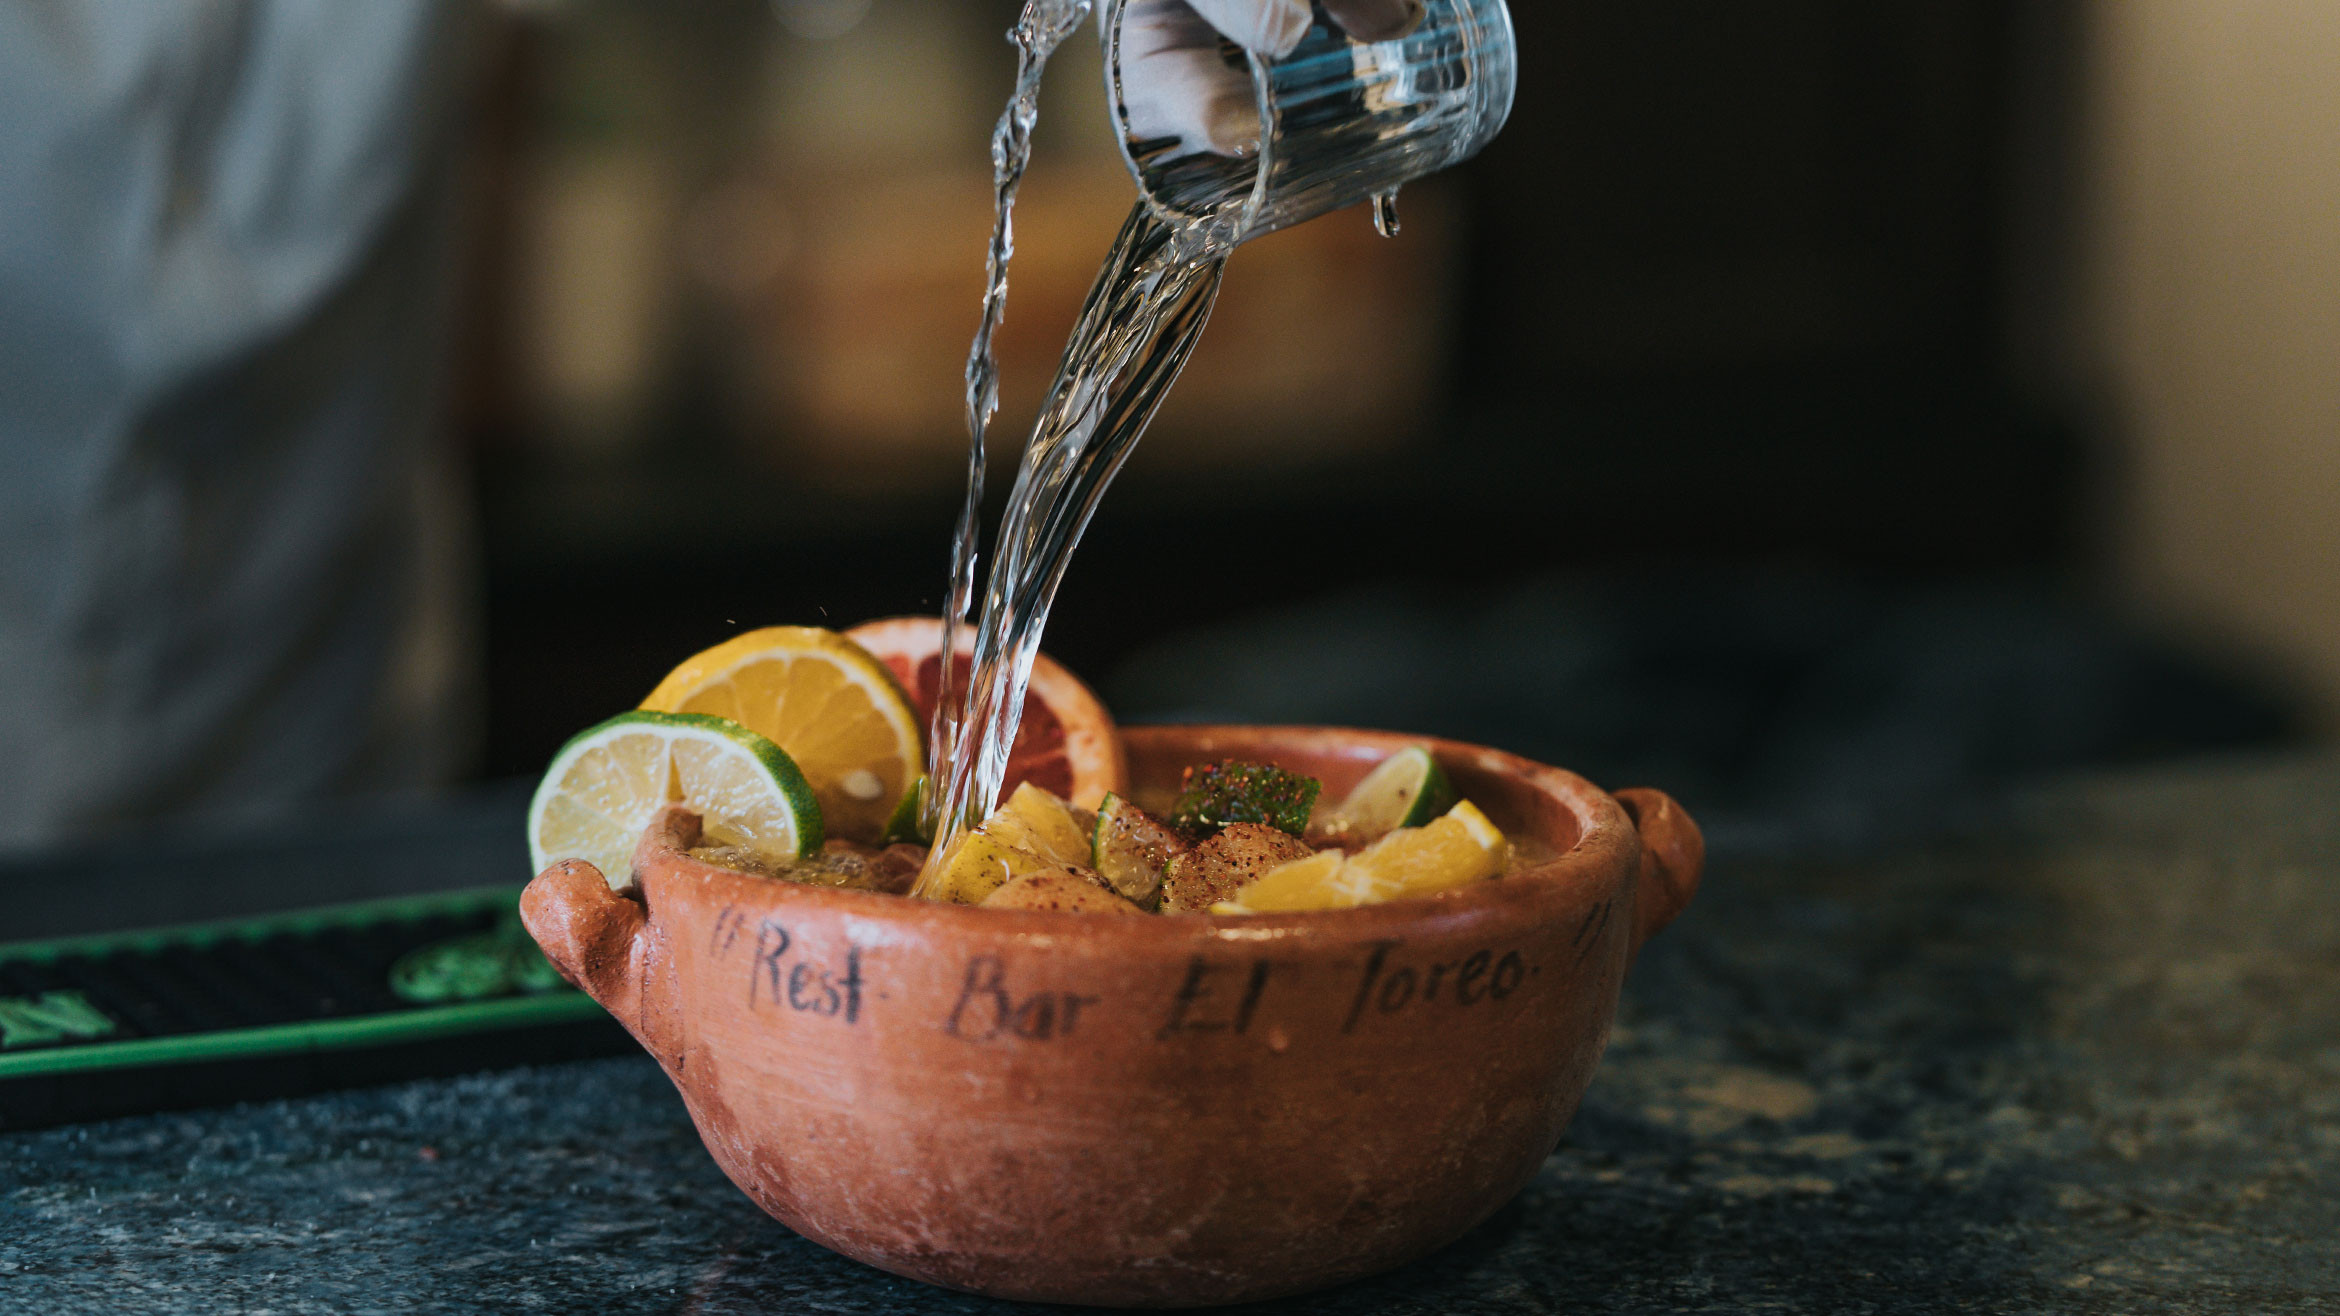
(1829, 412)
(1730, 423)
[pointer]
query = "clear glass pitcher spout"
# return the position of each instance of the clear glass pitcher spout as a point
(1341, 121)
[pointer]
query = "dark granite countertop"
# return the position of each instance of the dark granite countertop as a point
(2088, 1061)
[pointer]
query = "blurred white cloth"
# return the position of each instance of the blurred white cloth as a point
(1177, 82)
(234, 567)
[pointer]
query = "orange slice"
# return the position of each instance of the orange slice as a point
(1066, 743)
(835, 709)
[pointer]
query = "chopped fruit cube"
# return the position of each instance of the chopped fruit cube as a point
(1033, 831)
(1231, 791)
(1131, 849)
(1038, 821)
(893, 869)
(840, 863)
(1301, 884)
(1067, 890)
(1226, 863)
(979, 865)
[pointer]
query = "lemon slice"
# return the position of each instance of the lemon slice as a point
(1407, 789)
(1457, 849)
(835, 709)
(604, 786)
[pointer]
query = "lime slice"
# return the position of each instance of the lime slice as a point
(604, 786)
(1407, 789)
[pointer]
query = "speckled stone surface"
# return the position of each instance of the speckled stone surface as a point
(2089, 1062)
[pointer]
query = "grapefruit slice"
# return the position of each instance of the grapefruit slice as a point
(1066, 744)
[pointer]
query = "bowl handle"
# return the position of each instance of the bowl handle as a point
(594, 937)
(1673, 854)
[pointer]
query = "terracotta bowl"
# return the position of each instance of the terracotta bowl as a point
(1161, 1111)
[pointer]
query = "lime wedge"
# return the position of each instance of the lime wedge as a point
(1407, 789)
(605, 785)
(904, 825)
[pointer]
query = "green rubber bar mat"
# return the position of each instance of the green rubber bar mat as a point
(121, 1023)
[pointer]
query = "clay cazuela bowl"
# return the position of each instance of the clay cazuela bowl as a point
(1155, 1111)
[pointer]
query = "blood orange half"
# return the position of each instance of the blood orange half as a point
(1066, 743)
